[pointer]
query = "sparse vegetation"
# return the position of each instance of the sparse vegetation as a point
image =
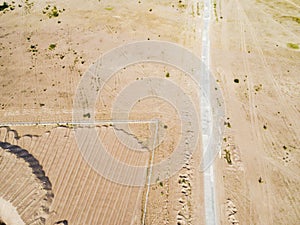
(55, 51)
(227, 124)
(28, 6)
(258, 87)
(52, 11)
(52, 47)
(293, 45)
(4, 6)
(87, 115)
(198, 9)
(109, 8)
(215, 10)
(33, 48)
(296, 19)
(182, 5)
(293, 18)
(182, 181)
(228, 156)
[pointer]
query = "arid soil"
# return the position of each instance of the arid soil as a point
(45, 49)
(259, 181)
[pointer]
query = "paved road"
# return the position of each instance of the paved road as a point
(206, 122)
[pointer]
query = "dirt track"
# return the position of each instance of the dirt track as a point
(249, 43)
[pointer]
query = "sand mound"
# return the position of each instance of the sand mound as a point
(9, 214)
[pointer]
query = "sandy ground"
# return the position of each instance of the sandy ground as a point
(80, 36)
(249, 43)
(43, 58)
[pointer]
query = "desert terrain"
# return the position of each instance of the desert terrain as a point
(54, 171)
